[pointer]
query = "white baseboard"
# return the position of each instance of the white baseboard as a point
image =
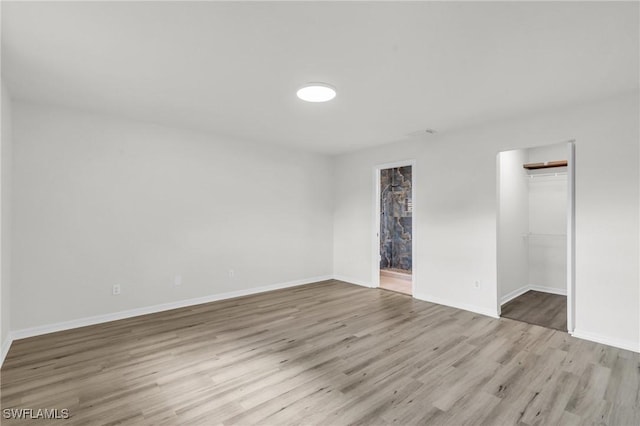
(98, 319)
(522, 290)
(353, 281)
(5, 348)
(515, 293)
(552, 290)
(598, 338)
(472, 308)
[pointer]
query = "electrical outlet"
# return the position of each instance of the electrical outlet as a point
(116, 289)
(476, 284)
(232, 273)
(177, 281)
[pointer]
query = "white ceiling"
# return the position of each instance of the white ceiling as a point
(234, 68)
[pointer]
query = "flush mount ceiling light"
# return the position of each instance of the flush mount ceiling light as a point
(316, 92)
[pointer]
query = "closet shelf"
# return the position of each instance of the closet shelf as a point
(546, 165)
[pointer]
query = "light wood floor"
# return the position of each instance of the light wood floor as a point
(327, 354)
(395, 284)
(535, 307)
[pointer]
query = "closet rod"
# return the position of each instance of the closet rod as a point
(541, 175)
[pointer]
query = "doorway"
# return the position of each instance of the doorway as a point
(535, 235)
(394, 214)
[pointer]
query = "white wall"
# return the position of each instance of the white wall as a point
(548, 221)
(513, 224)
(5, 221)
(553, 152)
(100, 201)
(455, 211)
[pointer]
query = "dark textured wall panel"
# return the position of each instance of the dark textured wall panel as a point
(395, 218)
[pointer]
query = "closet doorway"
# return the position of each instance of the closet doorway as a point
(535, 235)
(394, 251)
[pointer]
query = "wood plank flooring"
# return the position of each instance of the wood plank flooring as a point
(395, 284)
(323, 354)
(535, 307)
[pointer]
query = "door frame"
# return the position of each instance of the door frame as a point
(375, 251)
(571, 231)
(571, 236)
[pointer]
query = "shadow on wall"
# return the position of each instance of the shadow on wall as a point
(395, 218)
